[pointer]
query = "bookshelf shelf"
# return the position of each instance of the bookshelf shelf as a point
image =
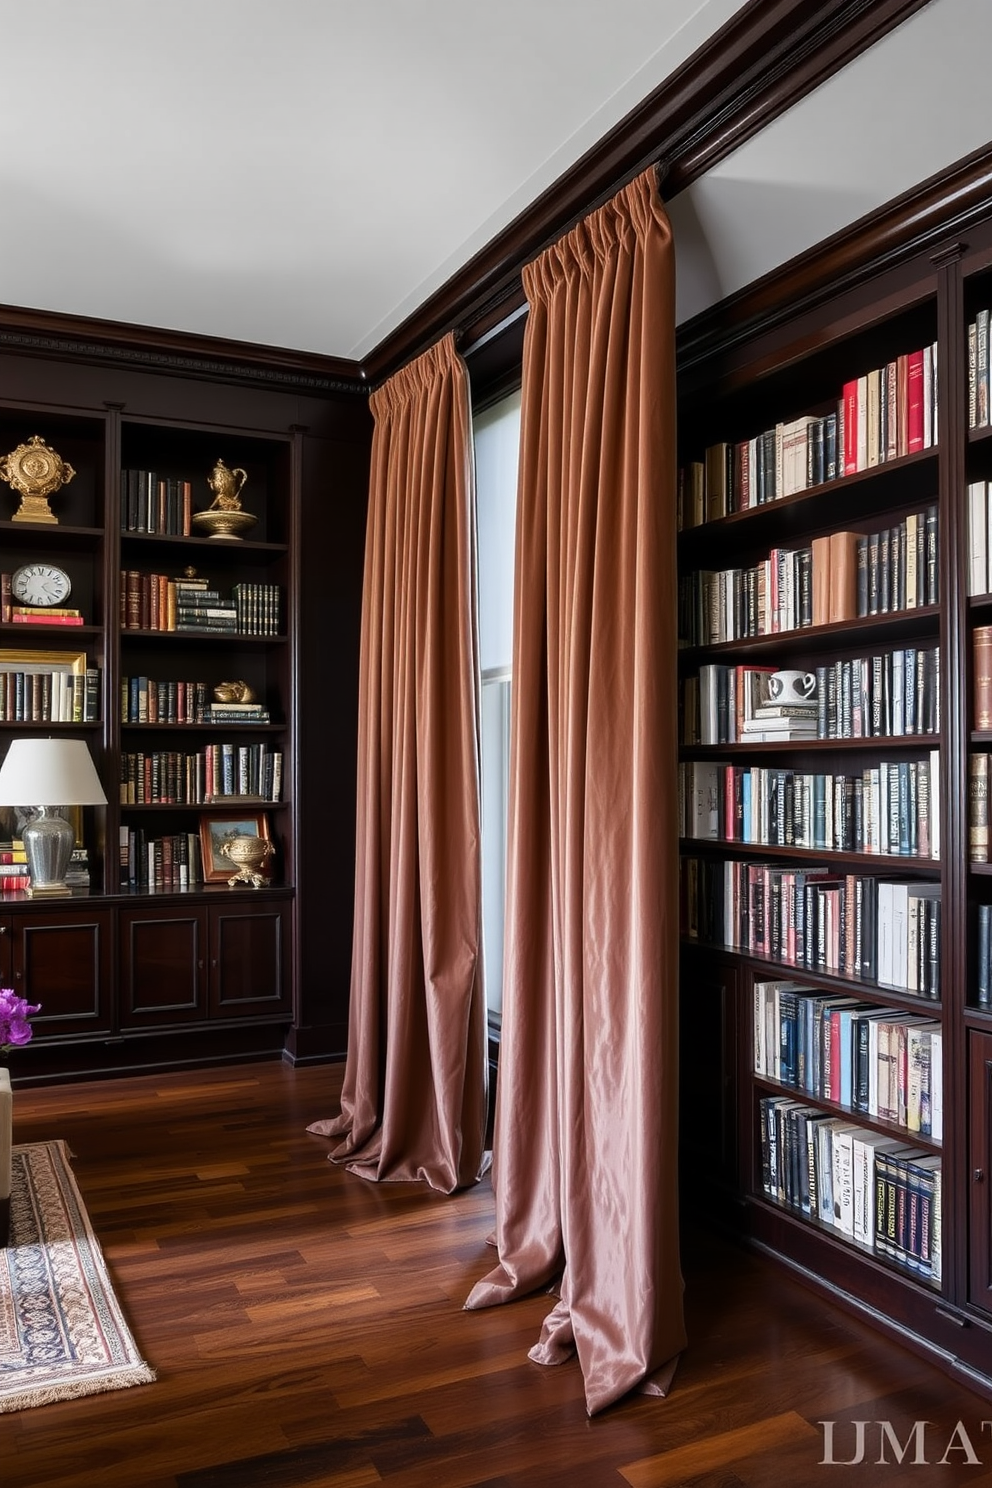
(872, 991)
(885, 862)
(875, 744)
(845, 634)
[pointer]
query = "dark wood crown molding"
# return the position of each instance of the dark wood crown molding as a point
(175, 353)
(927, 218)
(768, 56)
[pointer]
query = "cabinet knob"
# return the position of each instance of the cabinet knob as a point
(3, 929)
(200, 963)
(979, 1175)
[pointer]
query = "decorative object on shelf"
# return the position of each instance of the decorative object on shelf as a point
(36, 472)
(792, 687)
(224, 518)
(49, 774)
(40, 584)
(218, 830)
(249, 855)
(234, 692)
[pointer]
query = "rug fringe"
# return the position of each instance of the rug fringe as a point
(121, 1379)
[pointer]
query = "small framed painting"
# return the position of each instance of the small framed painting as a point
(216, 828)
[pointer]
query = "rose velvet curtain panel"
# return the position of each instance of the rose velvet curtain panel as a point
(585, 1152)
(413, 1103)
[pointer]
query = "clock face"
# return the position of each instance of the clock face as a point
(40, 584)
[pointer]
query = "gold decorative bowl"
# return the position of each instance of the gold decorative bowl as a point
(248, 854)
(223, 524)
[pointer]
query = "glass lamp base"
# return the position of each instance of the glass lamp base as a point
(48, 843)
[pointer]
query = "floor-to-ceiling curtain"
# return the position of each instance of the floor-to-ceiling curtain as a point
(413, 1103)
(585, 1154)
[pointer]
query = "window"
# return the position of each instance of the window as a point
(497, 443)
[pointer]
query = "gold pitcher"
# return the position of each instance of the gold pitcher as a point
(224, 516)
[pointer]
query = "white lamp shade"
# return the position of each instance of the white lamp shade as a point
(50, 772)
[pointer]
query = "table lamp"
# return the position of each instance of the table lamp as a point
(48, 774)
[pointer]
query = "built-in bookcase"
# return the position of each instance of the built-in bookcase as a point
(836, 923)
(157, 945)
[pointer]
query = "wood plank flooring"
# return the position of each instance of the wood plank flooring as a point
(308, 1332)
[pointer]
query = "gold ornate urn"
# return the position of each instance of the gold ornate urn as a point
(249, 854)
(224, 517)
(36, 472)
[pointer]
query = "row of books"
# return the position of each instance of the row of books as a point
(873, 1060)
(890, 694)
(851, 925)
(877, 1191)
(843, 576)
(793, 456)
(979, 575)
(886, 413)
(56, 696)
(257, 608)
(156, 504)
(978, 371)
(890, 808)
(171, 777)
(149, 700)
(167, 863)
(150, 601)
(14, 876)
(890, 411)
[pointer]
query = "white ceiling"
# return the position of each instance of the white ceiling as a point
(304, 173)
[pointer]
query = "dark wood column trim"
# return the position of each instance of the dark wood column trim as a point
(767, 56)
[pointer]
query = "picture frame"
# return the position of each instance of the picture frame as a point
(215, 826)
(19, 660)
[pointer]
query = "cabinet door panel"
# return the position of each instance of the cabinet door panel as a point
(163, 968)
(65, 964)
(980, 1179)
(248, 962)
(6, 952)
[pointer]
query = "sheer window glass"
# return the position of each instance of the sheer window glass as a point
(497, 447)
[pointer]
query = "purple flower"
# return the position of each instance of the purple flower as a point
(15, 1030)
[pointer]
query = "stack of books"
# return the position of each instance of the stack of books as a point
(14, 876)
(780, 723)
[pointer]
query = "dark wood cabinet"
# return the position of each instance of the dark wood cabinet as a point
(66, 965)
(217, 962)
(163, 966)
(249, 965)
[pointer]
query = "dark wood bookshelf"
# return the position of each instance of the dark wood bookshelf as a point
(738, 383)
(152, 978)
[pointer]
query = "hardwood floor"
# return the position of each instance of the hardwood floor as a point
(307, 1330)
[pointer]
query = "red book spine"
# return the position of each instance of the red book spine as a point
(850, 399)
(835, 1056)
(915, 394)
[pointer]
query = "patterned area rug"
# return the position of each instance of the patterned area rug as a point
(62, 1332)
